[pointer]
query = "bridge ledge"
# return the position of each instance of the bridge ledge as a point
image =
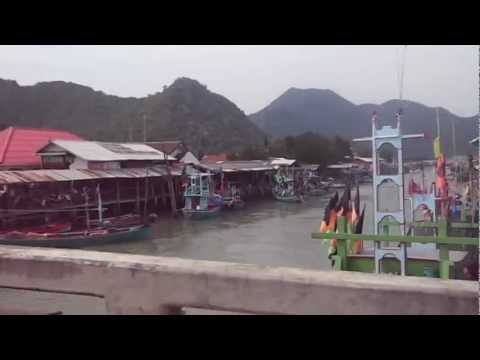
(158, 285)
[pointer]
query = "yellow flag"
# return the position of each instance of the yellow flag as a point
(437, 147)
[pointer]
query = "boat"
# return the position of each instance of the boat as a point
(122, 221)
(200, 200)
(285, 190)
(75, 239)
(199, 214)
(288, 198)
(49, 228)
(232, 199)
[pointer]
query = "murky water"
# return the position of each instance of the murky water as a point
(264, 232)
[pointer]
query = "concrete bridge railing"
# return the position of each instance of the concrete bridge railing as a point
(136, 284)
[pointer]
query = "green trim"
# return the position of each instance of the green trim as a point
(450, 240)
(415, 267)
(458, 225)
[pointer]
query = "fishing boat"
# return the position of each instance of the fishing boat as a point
(288, 198)
(49, 228)
(121, 221)
(232, 199)
(200, 200)
(284, 191)
(75, 239)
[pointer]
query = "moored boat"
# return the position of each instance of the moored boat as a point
(199, 214)
(288, 198)
(285, 190)
(75, 239)
(50, 228)
(232, 199)
(200, 200)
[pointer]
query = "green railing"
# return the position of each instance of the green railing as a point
(444, 242)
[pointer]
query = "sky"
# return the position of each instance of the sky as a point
(253, 76)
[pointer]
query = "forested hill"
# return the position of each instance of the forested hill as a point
(323, 111)
(186, 110)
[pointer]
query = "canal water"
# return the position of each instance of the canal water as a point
(266, 232)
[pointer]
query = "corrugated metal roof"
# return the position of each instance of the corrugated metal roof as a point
(282, 161)
(98, 151)
(238, 166)
(340, 166)
(35, 176)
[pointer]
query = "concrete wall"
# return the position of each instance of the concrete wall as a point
(135, 284)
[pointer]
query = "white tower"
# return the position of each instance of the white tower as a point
(388, 136)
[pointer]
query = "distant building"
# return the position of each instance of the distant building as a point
(92, 155)
(19, 146)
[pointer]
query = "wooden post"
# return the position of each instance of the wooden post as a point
(154, 194)
(162, 192)
(145, 204)
(138, 196)
(173, 201)
(118, 197)
(87, 215)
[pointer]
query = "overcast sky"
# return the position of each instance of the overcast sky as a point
(253, 76)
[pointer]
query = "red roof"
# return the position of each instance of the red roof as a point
(214, 158)
(19, 146)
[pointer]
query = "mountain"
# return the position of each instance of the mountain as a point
(186, 110)
(323, 111)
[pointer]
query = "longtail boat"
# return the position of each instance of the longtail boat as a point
(96, 236)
